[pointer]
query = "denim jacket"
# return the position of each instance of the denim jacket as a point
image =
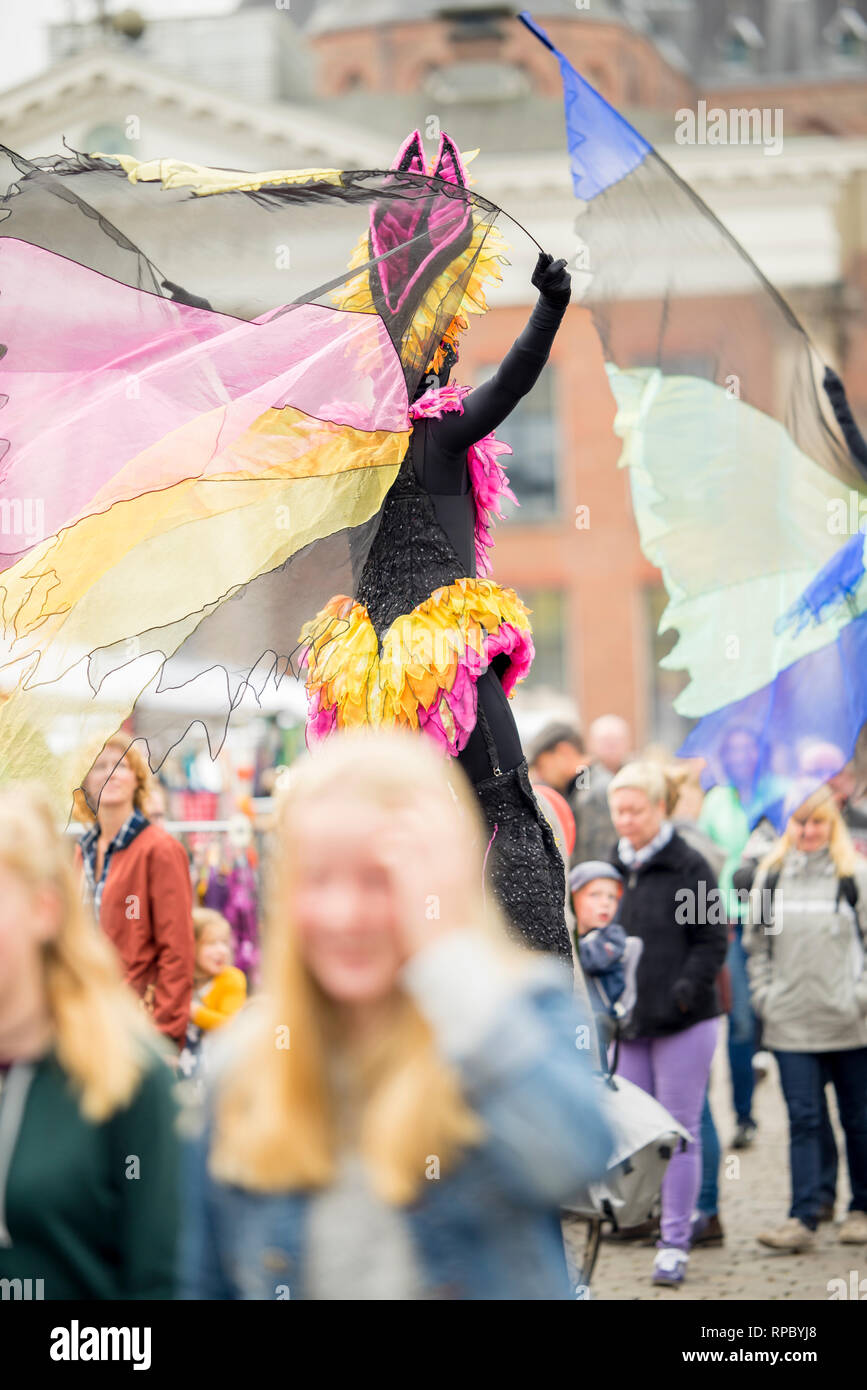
(489, 1227)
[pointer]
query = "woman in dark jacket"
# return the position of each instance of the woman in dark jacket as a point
(671, 903)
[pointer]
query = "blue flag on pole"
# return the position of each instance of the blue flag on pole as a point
(603, 147)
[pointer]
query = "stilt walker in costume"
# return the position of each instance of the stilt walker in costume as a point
(248, 458)
(428, 642)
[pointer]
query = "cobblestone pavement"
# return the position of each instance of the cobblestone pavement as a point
(754, 1193)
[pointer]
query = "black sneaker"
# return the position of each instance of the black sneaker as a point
(744, 1134)
(707, 1230)
(645, 1231)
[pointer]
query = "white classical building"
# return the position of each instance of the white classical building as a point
(796, 211)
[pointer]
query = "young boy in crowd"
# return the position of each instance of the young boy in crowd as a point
(596, 889)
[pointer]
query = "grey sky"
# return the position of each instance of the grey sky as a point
(23, 42)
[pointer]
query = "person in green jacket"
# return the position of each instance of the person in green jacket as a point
(89, 1158)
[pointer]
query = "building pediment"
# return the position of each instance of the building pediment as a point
(101, 86)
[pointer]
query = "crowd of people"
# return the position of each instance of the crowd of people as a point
(400, 1112)
(717, 919)
(401, 1109)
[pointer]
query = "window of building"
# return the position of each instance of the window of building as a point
(740, 42)
(108, 139)
(471, 24)
(735, 50)
(547, 609)
(532, 434)
(847, 34)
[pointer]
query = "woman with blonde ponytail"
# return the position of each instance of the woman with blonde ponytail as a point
(93, 1216)
(408, 1105)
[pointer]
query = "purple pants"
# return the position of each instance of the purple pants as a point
(675, 1070)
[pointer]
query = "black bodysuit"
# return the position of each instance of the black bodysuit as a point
(443, 472)
(426, 539)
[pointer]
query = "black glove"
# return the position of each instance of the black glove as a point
(683, 994)
(552, 279)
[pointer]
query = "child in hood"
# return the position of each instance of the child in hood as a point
(596, 889)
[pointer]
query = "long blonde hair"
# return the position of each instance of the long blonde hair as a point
(99, 1031)
(844, 856)
(276, 1120)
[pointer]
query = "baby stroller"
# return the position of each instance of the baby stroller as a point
(646, 1137)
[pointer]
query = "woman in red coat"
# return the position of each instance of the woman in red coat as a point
(138, 880)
